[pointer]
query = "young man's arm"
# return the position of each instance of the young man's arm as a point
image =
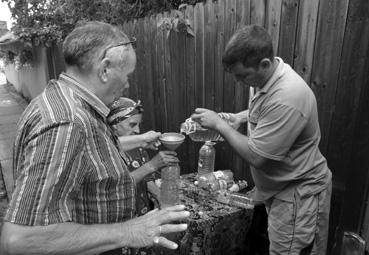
(238, 141)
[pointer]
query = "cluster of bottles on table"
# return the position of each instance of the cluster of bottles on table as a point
(220, 183)
(221, 186)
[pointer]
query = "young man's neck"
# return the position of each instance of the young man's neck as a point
(269, 73)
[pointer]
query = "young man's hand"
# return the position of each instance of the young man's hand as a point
(206, 118)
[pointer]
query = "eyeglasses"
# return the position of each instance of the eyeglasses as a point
(131, 41)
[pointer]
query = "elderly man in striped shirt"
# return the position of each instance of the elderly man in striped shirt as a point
(73, 193)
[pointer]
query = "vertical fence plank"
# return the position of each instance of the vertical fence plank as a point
(288, 30)
(173, 77)
(134, 78)
(221, 162)
(209, 38)
(257, 13)
(327, 54)
(241, 95)
(157, 103)
(181, 83)
(167, 75)
(178, 94)
(190, 89)
(305, 38)
(273, 20)
(148, 100)
(348, 125)
(161, 80)
(127, 29)
(199, 60)
(360, 159)
(219, 49)
(229, 28)
(141, 55)
(226, 153)
(200, 75)
(242, 13)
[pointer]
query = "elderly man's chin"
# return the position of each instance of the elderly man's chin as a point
(115, 98)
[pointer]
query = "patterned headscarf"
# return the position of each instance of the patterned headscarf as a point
(122, 109)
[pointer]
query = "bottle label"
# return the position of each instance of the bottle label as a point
(222, 184)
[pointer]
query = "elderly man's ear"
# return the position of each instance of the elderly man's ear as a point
(103, 70)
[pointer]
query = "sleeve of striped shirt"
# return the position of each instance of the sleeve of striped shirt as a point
(50, 172)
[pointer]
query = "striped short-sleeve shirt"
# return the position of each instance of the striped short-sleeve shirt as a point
(67, 164)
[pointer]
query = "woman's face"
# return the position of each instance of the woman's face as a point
(129, 126)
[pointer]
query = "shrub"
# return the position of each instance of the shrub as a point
(49, 21)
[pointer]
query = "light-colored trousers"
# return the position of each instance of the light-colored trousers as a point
(299, 226)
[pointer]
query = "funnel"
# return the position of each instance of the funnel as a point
(172, 141)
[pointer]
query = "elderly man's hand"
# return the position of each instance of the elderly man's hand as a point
(148, 230)
(151, 140)
(206, 118)
(162, 159)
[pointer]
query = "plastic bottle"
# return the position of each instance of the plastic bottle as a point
(237, 186)
(234, 199)
(206, 159)
(220, 184)
(169, 188)
(241, 200)
(208, 180)
(223, 174)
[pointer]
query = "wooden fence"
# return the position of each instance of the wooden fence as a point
(326, 42)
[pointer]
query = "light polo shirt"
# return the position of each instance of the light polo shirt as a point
(66, 161)
(283, 127)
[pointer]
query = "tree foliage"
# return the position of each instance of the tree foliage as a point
(47, 21)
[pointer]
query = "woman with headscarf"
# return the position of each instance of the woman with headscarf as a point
(125, 118)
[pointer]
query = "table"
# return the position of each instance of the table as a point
(214, 228)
